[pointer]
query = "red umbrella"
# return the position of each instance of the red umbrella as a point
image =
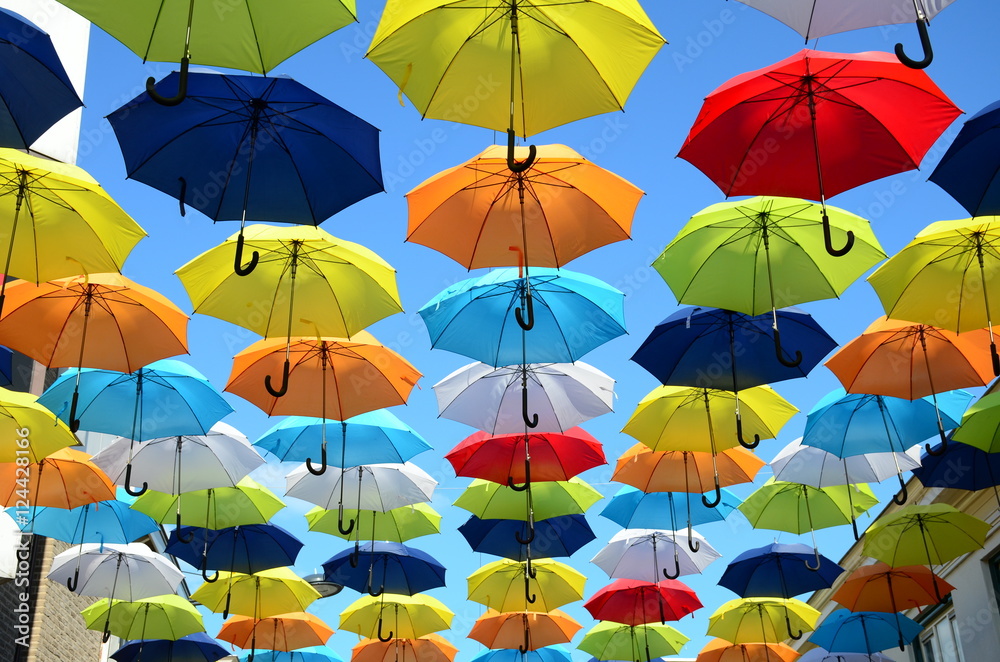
(521, 458)
(817, 124)
(634, 602)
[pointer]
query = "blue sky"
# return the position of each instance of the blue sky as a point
(710, 41)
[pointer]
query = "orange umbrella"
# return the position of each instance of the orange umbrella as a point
(429, 648)
(284, 632)
(720, 650)
(523, 630)
(332, 378)
(907, 360)
(684, 471)
(880, 587)
(483, 214)
(64, 479)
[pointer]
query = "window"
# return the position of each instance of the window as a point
(939, 642)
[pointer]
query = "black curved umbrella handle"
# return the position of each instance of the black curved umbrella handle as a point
(532, 420)
(322, 460)
(283, 389)
(529, 538)
(180, 536)
(204, 575)
(238, 260)
(340, 521)
(530, 569)
(251, 656)
(375, 594)
(527, 479)
(925, 43)
(518, 166)
(693, 544)
(527, 320)
(718, 496)
(107, 631)
(900, 497)
(182, 84)
(74, 422)
(229, 595)
(788, 623)
(677, 568)
(781, 357)
(818, 562)
(739, 435)
(828, 239)
(529, 597)
(944, 444)
(128, 484)
(381, 637)
(355, 557)
(74, 581)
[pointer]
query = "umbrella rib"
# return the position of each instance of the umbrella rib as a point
(256, 39)
(503, 189)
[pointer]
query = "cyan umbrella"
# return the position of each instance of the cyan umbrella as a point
(308, 654)
(395, 567)
(847, 424)
(100, 522)
(554, 537)
(197, 647)
(35, 89)
(248, 548)
(571, 314)
(544, 654)
(865, 631)
(370, 438)
(970, 170)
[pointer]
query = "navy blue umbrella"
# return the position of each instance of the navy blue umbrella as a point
(393, 566)
(6, 366)
(197, 647)
(35, 91)
(250, 148)
(778, 571)
(722, 349)
(970, 170)
(249, 548)
(554, 537)
(960, 467)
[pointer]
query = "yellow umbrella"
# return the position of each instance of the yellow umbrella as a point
(756, 620)
(409, 616)
(59, 220)
(30, 430)
(547, 584)
(260, 595)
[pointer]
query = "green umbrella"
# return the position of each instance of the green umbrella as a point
(615, 641)
(763, 253)
(797, 508)
(396, 525)
(161, 617)
(218, 508)
(980, 425)
(488, 500)
(253, 35)
(915, 535)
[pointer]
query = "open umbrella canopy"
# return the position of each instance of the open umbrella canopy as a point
(64, 479)
(652, 555)
(380, 487)
(395, 525)
(980, 425)
(569, 314)
(161, 617)
(123, 572)
(931, 534)
(684, 471)
(720, 650)
(560, 394)
(554, 653)
(389, 567)
(756, 620)
(880, 587)
(819, 18)
(823, 655)
(631, 508)
(526, 630)
(558, 536)
(262, 594)
(507, 585)
(864, 631)
(634, 602)
(429, 648)
(798, 463)
(405, 617)
(616, 641)
(31, 428)
(280, 632)
(508, 458)
(197, 647)
(968, 170)
(248, 548)
(215, 508)
(959, 467)
(798, 508)
(111, 521)
(778, 571)
(488, 500)
(307, 654)
(436, 53)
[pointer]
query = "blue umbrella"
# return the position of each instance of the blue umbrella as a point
(632, 508)
(864, 631)
(970, 170)
(722, 349)
(34, 88)
(247, 549)
(197, 647)
(6, 361)
(167, 398)
(778, 571)
(310, 654)
(960, 467)
(848, 424)
(554, 537)
(545, 654)
(101, 522)
(371, 438)
(397, 568)
(573, 314)
(269, 149)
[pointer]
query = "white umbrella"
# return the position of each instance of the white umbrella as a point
(122, 572)
(380, 487)
(174, 465)
(10, 540)
(492, 399)
(652, 555)
(822, 655)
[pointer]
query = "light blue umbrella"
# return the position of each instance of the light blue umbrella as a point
(568, 314)
(545, 654)
(167, 398)
(375, 437)
(864, 631)
(848, 424)
(101, 522)
(310, 654)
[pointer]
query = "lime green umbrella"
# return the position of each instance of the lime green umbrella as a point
(253, 35)
(396, 525)
(248, 502)
(547, 585)
(258, 595)
(756, 620)
(764, 253)
(615, 641)
(797, 508)
(980, 425)
(161, 617)
(917, 535)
